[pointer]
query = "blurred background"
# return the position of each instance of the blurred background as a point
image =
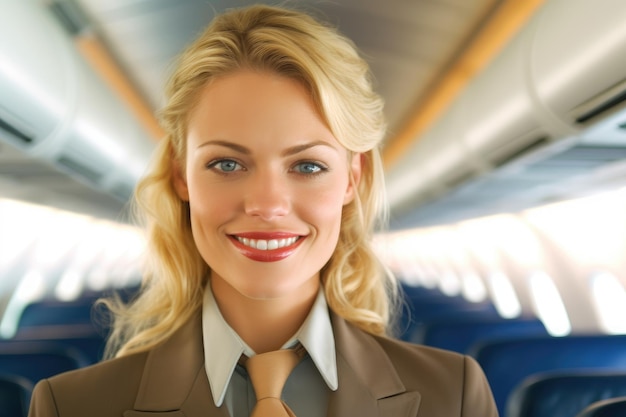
(505, 160)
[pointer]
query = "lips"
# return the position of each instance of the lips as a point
(271, 244)
(266, 247)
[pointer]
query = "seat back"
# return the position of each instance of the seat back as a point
(15, 394)
(507, 363)
(425, 306)
(564, 394)
(54, 312)
(614, 407)
(35, 360)
(81, 337)
(460, 335)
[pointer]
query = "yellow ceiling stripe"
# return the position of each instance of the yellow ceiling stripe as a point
(98, 56)
(509, 17)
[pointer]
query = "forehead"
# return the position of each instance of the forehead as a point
(247, 87)
(261, 105)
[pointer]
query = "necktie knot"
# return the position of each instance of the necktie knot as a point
(268, 373)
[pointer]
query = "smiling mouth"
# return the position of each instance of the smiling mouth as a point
(271, 244)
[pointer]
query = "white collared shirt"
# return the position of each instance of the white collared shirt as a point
(306, 391)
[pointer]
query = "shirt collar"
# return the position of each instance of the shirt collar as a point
(223, 347)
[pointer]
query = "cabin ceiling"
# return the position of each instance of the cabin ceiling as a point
(407, 43)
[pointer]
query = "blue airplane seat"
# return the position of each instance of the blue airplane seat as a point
(507, 363)
(91, 346)
(84, 310)
(613, 407)
(85, 338)
(460, 334)
(35, 360)
(424, 305)
(15, 395)
(564, 394)
(55, 312)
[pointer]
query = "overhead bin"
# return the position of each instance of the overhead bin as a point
(576, 62)
(547, 98)
(440, 157)
(54, 107)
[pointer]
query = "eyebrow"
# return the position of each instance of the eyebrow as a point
(287, 152)
(301, 148)
(226, 144)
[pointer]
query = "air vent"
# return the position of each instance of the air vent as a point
(80, 169)
(516, 149)
(602, 104)
(588, 153)
(459, 179)
(578, 160)
(10, 131)
(70, 15)
(122, 191)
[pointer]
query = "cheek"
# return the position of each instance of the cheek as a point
(210, 207)
(324, 208)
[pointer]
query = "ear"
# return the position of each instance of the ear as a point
(356, 167)
(179, 181)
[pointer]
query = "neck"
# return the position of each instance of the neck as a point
(264, 324)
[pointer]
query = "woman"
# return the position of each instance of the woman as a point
(260, 207)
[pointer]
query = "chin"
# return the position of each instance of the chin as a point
(272, 290)
(267, 292)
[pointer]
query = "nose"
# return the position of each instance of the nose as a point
(267, 196)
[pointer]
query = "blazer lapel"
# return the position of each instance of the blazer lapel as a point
(369, 385)
(174, 382)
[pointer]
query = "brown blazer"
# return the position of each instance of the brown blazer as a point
(377, 377)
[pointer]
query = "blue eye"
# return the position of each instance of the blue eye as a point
(225, 165)
(309, 168)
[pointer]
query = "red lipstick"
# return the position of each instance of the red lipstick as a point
(266, 246)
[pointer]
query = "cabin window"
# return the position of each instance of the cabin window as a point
(473, 288)
(449, 283)
(504, 296)
(31, 288)
(609, 299)
(70, 285)
(549, 304)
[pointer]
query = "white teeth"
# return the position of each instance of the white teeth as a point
(261, 244)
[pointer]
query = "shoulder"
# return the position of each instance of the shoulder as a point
(410, 359)
(104, 373)
(440, 376)
(412, 362)
(110, 385)
(447, 383)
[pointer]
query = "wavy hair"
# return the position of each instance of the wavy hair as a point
(295, 45)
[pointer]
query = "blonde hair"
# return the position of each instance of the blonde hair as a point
(294, 45)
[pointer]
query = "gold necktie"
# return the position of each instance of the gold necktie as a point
(268, 373)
